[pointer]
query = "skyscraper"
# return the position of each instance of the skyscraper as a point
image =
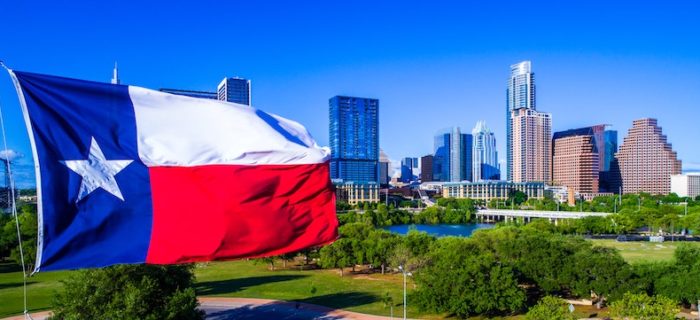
(354, 138)
(235, 90)
(426, 168)
(452, 158)
(484, 154)
(409, 168)
(646, 159)
(520, 94)
(604, 144)
(532, 146)
(575, 163)
(115, 75)
(384, 165)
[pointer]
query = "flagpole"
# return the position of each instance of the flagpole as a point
(14, 203)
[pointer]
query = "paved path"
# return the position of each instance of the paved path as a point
(246, 308)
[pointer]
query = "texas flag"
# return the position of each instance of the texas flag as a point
(131, 175)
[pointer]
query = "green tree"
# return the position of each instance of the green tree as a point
(644, 307)
(337, 255)
(549, 308)
(601, 271)
(128, 292)
(463, 281)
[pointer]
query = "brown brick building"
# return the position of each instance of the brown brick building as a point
(576, 163)
(646, 159)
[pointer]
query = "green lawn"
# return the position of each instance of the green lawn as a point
(636, 252)
(357, 292)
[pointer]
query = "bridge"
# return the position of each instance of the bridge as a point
(527, 215)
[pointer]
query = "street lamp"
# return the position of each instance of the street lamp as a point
(404, 288)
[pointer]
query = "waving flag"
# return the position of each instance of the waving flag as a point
(130, 175)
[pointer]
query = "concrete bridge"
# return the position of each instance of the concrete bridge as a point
(493, 215)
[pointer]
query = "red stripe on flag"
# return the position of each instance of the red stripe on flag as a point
(220, 212)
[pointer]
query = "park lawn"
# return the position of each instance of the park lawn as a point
(639, 252)
(40, 289)
(358, 292)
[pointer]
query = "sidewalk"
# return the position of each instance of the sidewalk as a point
(248, 308)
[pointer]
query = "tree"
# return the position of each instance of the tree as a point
(28, 230)
(644, 307)
(379, 246)
(601, 271)
(337, 255)
(464, 281)
(129, 292)
(549, 308)
(518, 197)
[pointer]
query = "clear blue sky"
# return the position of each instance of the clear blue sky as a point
(432, 64)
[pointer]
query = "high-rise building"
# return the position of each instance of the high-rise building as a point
(646, 159)
(604, 143)
(532, 146)
(686, 185)
(191, 93)
(384, 165)
(453, 156)
(426, 168)
(575, 163)
(354, 138)
(236, 90)
(484, 154)
(409, 168)
(520, 94)
(115, 75)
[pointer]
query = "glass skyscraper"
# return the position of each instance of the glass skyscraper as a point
(520, 94)
(409, 169)
(484, 154)
(453, 156)
(354, 138)
(236, 90)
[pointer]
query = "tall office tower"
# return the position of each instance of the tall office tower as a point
(235, 90)
(452, 158)
(604, 146)
(484, 154)
(532, 147)
(384, 165)
(409, 168)
(646, 159)
(426, 168)
(575, 163)
(520, 94)
(115, 75)
(354, 138)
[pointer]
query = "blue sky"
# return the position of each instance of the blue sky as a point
(432, 64)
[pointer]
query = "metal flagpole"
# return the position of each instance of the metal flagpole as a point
(14, 204)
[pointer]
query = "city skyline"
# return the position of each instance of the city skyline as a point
(453, 68)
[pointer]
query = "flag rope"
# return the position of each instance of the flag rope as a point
(14, 204)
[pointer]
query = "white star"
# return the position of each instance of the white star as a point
(97, 172)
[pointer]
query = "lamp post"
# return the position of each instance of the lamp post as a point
(404, 288)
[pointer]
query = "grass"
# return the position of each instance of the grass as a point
(639, 252)
(357, 292)
(40, 289)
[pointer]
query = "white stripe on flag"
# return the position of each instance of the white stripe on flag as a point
(176, 130)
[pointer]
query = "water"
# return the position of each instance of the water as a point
(440, 230)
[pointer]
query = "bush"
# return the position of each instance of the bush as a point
(644, 307)
(129, 292)
(549, 308)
